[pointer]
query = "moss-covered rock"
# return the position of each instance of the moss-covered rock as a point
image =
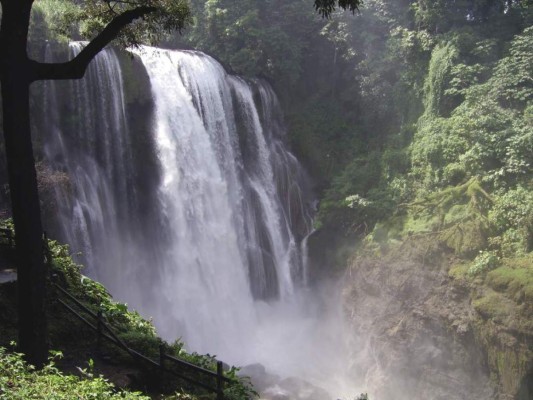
(413, 327)
(509, 356)
(489, 312)
(515, 279)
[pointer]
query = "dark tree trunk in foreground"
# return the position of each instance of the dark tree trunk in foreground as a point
(27, 219)
(14, 74)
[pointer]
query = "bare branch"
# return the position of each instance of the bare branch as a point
(75, 69)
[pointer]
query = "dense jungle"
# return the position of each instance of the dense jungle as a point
(337, 201)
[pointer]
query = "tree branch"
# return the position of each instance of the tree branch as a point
(75, 68)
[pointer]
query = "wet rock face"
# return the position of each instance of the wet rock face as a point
(413, 334)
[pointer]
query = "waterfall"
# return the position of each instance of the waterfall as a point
(100, 213)
(226, 177)
(92, 148)
(210, 242)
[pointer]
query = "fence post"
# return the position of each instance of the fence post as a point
(47, 251)
(220, 381)
(99, 323)
(159, 379)
(161, 356)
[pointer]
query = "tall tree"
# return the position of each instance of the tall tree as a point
(126, 21)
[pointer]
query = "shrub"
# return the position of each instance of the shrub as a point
(485, 261)
(20, 381)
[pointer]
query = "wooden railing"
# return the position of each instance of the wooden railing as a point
(104, 332)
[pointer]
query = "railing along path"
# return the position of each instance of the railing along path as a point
(105, 332)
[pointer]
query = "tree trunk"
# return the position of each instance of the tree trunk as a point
(14, 75)
(27, 218)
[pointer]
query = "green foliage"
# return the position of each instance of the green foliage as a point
(64, 19)
(244, 391)
(473, 136)
(132, 328)
(323, 138)
(20, 381)
(485, 261)
(440, 16)
(48, 20)
(266, 38)
(485, 139)
(354, 201)
(513, 76)
(181, 396)
(494, 306)
(439, 74)
(512, 219)
(95, 294)
(463, 76)
(458, 215)
(455, 64)
(169, 16)
(327, 7)
(479, 139)
(435, 153)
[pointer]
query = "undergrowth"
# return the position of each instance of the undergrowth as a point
(21, 381)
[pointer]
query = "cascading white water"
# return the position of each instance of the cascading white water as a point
(94, 149)
(203, 279)
(218, 261)
(231, 237)
(94, 166)
(87, 137)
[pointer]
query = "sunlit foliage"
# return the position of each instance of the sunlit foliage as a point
(89, 17)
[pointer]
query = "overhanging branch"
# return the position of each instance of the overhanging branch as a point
(75, 68)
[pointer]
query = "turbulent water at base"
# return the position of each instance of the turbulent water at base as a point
(211, 242)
